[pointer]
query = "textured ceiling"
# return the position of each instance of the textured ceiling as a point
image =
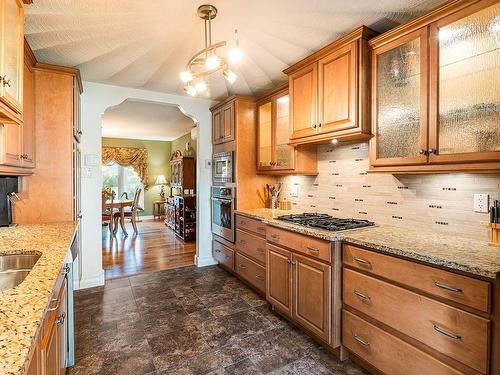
(146, 43)
(136, 119)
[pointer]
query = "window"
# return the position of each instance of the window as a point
(121, 180)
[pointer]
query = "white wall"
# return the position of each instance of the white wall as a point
(95, 99)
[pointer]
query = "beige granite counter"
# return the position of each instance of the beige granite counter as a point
(21, 308)
(453, 252)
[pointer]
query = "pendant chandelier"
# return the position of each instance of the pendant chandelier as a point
(207, 61)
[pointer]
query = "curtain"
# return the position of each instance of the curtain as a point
(137, 158)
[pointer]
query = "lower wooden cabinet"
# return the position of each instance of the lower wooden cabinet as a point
(250, 271)
(279, 279)
(223, 254)
(34, 366)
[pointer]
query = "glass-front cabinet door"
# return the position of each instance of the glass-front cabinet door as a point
(465, 86)
(284, 153)
(400, 100)
(265, 136)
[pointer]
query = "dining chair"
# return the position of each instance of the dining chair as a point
(130, 212)
(108, 211)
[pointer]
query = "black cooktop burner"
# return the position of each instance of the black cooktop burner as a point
(325, 221)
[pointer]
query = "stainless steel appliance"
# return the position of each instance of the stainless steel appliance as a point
(223, 167)
(325, 221)
(223, 220)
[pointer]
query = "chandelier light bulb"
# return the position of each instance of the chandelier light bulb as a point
(235, 55)
(212, 62)
(230, 76)
(190, 89)
(186, 76)
(200, 86)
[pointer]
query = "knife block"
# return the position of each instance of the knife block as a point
(494, 232)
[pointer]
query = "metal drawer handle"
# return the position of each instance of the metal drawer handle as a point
(447, 287)
(362, 261)
(447, 333)
(260, 250)
(362, 296)
(275, 237)
(312, 248)
(261, 229)
(243, 242)
(360, 340)
(56, 306)
(61, 318)
(217, 250)
(243, 222)
(66, 270)
(242, 266)
(291, 262)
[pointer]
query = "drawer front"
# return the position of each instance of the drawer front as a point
(453, 332)
(252, 246)
(386, 352)
(462, 289)
(223, 255)
(250, 225)
(304, 244)
(252, 272)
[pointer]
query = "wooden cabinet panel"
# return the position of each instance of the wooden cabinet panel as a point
(453, 332)
(304, 244)
(216, 126)
(337, 90)
(386, 352)
(303, 99)
(252, 246)
(28, 130)
(11, 134)
(62, 329)
(311, 289)
(12, 56)
(279, 279)
(223, 124)
(252, 272)
(51, 352)
(251, 225)
(457, 288)
(223, 255)
(34, 366)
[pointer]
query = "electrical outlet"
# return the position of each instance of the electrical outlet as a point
(481, 203)
(294, 191)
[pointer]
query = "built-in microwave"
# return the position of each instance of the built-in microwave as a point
(223, 167)
(223, 217)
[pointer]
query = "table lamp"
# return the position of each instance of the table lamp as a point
(161, 180)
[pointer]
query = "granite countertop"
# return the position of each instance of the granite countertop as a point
(21, 308)
(445, 250)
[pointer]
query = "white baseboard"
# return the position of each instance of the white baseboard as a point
(146, 217)
(207, 261)
(91, 282)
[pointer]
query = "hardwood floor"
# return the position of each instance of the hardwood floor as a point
(155, 248)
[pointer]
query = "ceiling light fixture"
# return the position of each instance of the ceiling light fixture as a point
(207, 61)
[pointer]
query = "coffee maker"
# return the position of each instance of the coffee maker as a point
(9, 186)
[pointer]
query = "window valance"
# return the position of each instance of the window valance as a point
(137, 158)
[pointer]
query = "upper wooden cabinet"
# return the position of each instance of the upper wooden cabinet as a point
(223, 124)
(274, 153)
(28, 128)
(12, 52)
(436, 102)
(329, 91)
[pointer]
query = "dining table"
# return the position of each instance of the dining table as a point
(119, 204)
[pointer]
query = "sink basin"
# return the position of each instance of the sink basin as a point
(14, 268)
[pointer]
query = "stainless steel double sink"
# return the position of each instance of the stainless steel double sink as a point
(14, 268)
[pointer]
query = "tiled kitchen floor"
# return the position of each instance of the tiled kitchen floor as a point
(190, 321)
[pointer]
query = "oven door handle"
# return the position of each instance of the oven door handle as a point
(227, 200)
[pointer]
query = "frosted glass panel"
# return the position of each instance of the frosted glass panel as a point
(283, 150)
(469, 83)
(265, 132)
(398, 101)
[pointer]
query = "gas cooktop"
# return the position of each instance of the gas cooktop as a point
(325, 221)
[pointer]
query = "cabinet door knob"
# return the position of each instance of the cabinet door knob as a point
(319, 125)
(5, 81)
(61, 318)
(431, 151)
(313, 126)
(423, 152)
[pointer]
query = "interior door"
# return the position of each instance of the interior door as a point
(337, 90)
(279, 279)
(400, 97)
(265, 149)
(11, 88)
(311, 290)
(465, 81)
(303, 86)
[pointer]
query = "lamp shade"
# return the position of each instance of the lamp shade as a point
(160, 180)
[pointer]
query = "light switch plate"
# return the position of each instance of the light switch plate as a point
(294, 191)
(91, 160)
(481, 202)
(86, 172)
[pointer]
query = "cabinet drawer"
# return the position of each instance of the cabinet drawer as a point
(462, 289)
(252, 272)
(250, 225)
(252, 246)
(304, 244)
(453, 332)
(223, 255)
(386, 352)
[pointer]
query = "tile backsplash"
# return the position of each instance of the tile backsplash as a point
(344, 188)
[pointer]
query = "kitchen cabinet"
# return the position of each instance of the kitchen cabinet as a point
(250, 271)
(279, 279)
(435, 96)
(34, 366)
(11, 144)
(274, 155)
(223, 124)
(12, 53)
(28, 127)
(329, 91)
(224, 255)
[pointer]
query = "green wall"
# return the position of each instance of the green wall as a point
(180, 144)
(159, 153)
